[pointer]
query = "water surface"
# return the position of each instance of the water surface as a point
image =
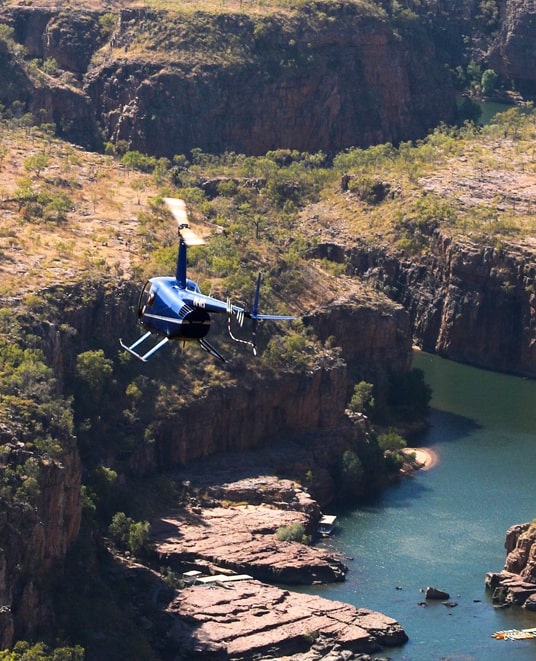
(445, 527)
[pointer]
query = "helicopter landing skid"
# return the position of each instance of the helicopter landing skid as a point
(206, 346)
(140, 341)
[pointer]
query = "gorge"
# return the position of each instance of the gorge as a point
(326, 78)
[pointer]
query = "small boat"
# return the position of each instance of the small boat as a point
(326, 525)
(515, 634)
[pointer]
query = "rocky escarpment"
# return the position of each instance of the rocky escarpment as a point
(374, 338)
(329, 76)
(326, 77)
(467, 301)
(91, 316)
(36, 531)
(511, 53)
(516, 584)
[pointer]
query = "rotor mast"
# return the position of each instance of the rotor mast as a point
(187, 237)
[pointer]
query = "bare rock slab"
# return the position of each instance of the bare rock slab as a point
(243, 539)
(246, 619)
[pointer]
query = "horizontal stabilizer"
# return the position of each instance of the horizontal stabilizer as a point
(274, 317)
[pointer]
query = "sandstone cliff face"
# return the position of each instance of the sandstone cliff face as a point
(328, 78)
(303, 83)
(468, 302)
(34, 541)
(239, 418)
(87, 316)
(512, 54)
(516, 583)
(375, 342)
(520, 547)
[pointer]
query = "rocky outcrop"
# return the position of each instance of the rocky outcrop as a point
(520, 547)
(375, 339)
(242, 526)
(513, 51)
(36, 532)
(467, 301)
(516, 584)
(243, 539)
(260, 620)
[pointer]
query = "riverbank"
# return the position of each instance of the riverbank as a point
(421, 458)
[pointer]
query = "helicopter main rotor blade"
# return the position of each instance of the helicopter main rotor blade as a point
(178, 210)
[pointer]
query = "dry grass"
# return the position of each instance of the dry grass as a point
(486, 182)
(101, 233)
(213, 6)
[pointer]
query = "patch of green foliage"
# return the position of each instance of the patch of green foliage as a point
(363, 398)
(295, 532)
(24, 651)
(129, 534)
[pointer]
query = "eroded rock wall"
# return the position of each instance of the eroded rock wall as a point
(468, 302)
(325, 78)
(34, 538)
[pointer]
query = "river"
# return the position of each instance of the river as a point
(446, 527)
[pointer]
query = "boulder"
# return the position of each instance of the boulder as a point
(434, 593)
(530, 603)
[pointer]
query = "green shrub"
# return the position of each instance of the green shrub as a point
(23, 651)
(129, 534)
(293, 533)
(362, 400)
(391, 441)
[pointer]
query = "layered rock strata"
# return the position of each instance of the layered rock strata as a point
(248, 619)
(167, 83)
(516, 584)
(236, 526)
(468, 302)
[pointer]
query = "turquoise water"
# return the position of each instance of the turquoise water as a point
(445, 527)
(490, 109)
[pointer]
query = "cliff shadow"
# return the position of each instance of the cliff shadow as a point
(444, 426)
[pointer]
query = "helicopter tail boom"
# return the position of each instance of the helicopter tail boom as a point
(254, 316)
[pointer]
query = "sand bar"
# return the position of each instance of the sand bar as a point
(425, 458)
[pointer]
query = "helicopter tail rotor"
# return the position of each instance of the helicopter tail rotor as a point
(254, 316)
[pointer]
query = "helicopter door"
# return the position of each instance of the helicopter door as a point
(146, 299)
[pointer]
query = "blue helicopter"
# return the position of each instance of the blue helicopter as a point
(173, 308)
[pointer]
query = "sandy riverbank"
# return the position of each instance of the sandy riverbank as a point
(425, 458)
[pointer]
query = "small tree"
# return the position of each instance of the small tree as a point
(351, 475)
(362, 400)
(488, 81)
(129, 534)
(36, 163)
(95, 369)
